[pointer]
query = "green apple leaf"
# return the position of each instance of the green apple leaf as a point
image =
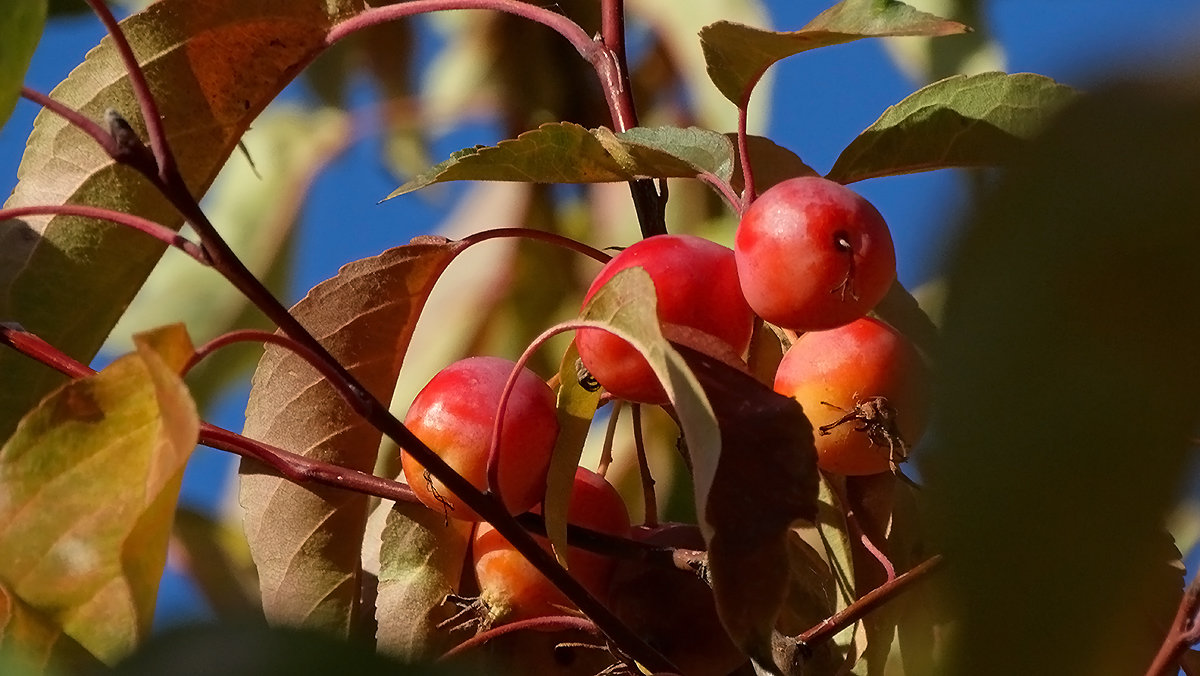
(1068, 376)
(767, 444)
(962, 121)
(69, 279)
(307, 540)
(737, 55)
(421, 561)
(576, 406)
(564, 152)
(90, 480)
(21, 23)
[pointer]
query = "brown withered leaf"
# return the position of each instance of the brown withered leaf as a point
(766, 479)
(306, 541)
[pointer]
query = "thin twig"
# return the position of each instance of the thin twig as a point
(145, 226)
(76, 118)
(1184, 633)
(538, 235)
(852, 613)
(141, 90)
(546, 623)
(743, 147)
(610, 434)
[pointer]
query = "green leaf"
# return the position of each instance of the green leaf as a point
(564, 152)
(929, 59)
(90, 480)
(1067, 404)
(421, 561)
(69, 279)
(626, 306)
(962, 121)
(21, 23)
(767, 444)
(576, 406)
(307, 541)
(737, 55)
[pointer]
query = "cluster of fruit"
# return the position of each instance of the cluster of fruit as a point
(811, 257)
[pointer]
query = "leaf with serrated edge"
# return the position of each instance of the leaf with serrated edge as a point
(766, 447)
(737, 55)
(88, 484)
(21, 24)
(69, 279)
(420, 561)
(625, 305)
(962, 121)
(565, 152)
(306, 541)
(576, 406)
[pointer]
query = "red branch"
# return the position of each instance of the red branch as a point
(1184, 633)
(156, 230)
(550, 623)
(852, 613)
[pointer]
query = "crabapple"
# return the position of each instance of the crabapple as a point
(454, 414)
(863, 387)
(510, 588)
(813, 255)
(697, 291)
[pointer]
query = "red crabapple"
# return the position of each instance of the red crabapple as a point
(813, 255)
(697, 290)
(863, 387)
(454, 414)
(510, 588)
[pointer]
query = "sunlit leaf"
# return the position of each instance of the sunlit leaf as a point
(21, 24)
(737, 55)
(767, 448)
(1068, 380)
(576, 406)
(89, 483)
(564, 152)
(307, 540)
(626, 305)
(962, 121)
(69, 279)
(421, 561)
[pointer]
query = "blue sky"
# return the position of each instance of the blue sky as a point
(822, 100)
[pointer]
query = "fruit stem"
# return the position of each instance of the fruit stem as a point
(650, 501)
(743, 146)
(259, 336)
(610, 434)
